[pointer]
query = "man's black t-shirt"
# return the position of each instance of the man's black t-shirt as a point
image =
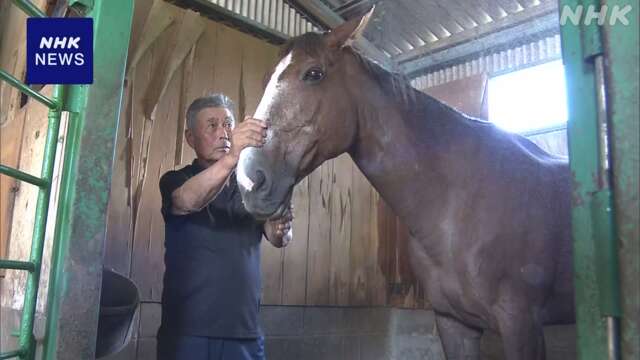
(212, 265)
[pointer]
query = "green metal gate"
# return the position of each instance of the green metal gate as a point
(99, 106)
(601, 59)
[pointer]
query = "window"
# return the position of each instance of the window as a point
(529, 100)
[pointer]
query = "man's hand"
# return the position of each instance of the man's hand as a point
(278, 231)
(249, 133)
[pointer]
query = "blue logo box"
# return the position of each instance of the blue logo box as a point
(59, 51)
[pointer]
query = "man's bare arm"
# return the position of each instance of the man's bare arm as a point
(200, 190)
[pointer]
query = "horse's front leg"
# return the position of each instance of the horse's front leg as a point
(522, 334)
(459, 341)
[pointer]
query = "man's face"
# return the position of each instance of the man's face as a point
(211, 134)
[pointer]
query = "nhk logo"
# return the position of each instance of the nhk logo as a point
(55, 58)
(585, 15)
(59, 51)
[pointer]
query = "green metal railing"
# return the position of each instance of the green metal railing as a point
(26, 340)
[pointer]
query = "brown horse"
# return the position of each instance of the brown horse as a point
(488, 211)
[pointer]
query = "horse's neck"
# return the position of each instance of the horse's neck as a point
(402, 151)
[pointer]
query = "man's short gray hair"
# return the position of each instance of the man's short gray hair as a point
(212, 100)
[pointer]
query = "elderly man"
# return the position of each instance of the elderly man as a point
(211, 295)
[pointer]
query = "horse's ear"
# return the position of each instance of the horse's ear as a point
(347, 33)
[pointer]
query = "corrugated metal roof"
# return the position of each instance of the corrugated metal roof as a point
(413, 36)
(409, 29)
(277, 15)
(272, 20)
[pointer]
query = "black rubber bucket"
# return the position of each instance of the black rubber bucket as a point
(118, 304)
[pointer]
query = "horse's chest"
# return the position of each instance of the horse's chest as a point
(447, 290)
(432, 273)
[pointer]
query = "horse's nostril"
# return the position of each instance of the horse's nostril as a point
(260, 179)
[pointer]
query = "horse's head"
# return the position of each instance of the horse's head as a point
(309, 105)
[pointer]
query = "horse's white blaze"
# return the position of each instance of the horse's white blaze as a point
(272, 91)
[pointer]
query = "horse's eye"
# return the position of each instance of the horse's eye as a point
(313, 75)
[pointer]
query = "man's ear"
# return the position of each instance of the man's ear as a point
(347, 33)
(189, 136)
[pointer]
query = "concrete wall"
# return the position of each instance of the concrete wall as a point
(322, 333)
(348, 333)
